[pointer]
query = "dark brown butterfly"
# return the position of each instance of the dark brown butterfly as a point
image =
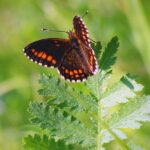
(74, 57)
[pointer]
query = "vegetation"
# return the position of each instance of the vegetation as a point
(21, 22)
(83, 119)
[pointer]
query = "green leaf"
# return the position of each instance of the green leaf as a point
(121, 91)
(133, 146)
(62, 125)
(37, 142)
(130, 115)
(109, 55)
(97, 49)
(64, 93)
(107, 137)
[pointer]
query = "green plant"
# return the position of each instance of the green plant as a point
(88, 115)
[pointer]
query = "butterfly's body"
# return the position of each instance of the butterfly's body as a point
(73, 57)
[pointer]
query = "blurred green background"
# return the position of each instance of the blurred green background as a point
(20, 24)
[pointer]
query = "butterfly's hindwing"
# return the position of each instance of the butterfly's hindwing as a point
(72, 67)
(47, 52)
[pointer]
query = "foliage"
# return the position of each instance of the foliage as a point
(108, 58)
(129, 19)
(74, 117)
(38, 142)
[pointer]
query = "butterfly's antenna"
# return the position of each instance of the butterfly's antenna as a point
(85, 13)
(45, 29)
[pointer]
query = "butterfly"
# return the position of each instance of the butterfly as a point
(73, 57)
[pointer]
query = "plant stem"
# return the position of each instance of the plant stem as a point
(118, 140)
(99, 127)
(102, 124)
(99, 144)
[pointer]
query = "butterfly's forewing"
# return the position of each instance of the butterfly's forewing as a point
(81, 30)
(90, 56)
(82, 34)
(47, 52)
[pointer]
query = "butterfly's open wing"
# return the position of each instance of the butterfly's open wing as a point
(81, 30)
(47, 52)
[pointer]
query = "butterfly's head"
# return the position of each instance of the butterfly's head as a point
(73, 39)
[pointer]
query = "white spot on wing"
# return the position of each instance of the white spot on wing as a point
(83, 24)
(67, 80)
(78, 81)
(87, 32)
(51, 66)
(73, 81)
(62, 77)
(88, 40)
(83, 80)
(58, 71)
(60, 74)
